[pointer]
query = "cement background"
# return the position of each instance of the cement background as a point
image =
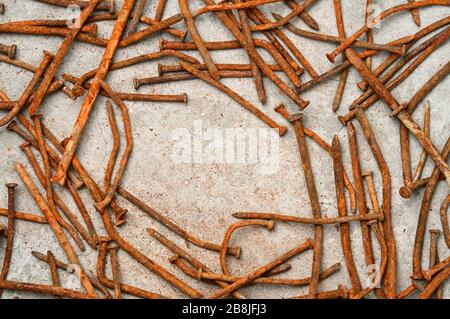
(202, 197)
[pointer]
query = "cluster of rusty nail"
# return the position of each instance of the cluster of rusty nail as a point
(59, 156)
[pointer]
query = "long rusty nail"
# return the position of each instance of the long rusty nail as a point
(296, 120)
(423, 216)
(115, 271)
(197, 38)
(262, 270)
(163, 69)
(235, 251)
(75, 136)
(246, 104)
(390, 278)
(256, 72)
(45, 289)
(28, 90)
(201, 274)
(342, 211)
(10, 233)
(349, 40)
(402, 115)
(360, 193)
(309, 220)
(59, 57)
(343, 77)
(65, 244)
(192, 260)
(127, 152)
(444, 220)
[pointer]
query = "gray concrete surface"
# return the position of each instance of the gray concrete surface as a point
(202, 197)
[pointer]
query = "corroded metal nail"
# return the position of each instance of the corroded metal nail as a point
(403, 115)
(309, 220)
(342, 211)
(127, 152)
(10, 233)
(65, 244)
(305, 16)
(9, 50)
(226, 238)
(75, 136)
(197, 38)
(423, 155)
(128, 289)
(59, 57)
(423, 217)
(296, 120)
(107, 5)
(444, 220)
(340, 293)
(135, 19)
(434, 256)
(201, 274)
(262, 270)
(235, 251)
(349, 40)
(246, 104)
(53, 269)
(360, 193)
(390, 278)
(192, 260)
(115, 271)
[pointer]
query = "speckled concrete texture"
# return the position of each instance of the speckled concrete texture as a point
(202, 196)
